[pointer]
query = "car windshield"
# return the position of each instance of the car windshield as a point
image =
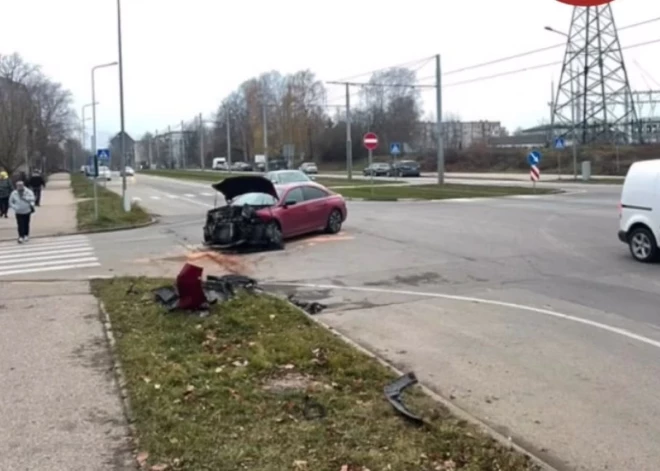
(290, 176)
(254, 199)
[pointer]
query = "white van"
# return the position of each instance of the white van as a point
(639, 210)
(220, 163)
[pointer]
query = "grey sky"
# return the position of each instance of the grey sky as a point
(182, 57)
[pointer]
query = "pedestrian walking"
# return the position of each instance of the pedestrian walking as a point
(6, 187)
(21, 201)
(36, 182)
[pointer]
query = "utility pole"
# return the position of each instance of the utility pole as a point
(157, 147)
(551, 104)
(349, 143)
(265, 119)
(149, 150)
(170, 147)
(182, 147)
(441, 150)
(201, 142)
(228, 123)
(127, 206)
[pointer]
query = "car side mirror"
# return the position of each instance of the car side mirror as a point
(289, 203)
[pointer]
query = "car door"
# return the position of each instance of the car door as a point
(294, 213)
(315, 200)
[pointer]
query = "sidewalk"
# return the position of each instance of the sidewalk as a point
(59, 402)
(55, 216)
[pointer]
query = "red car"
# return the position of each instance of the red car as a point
(259, 213)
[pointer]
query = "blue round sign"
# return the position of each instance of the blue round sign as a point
(534, 158)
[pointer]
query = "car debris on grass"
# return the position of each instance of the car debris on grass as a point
(258, 385)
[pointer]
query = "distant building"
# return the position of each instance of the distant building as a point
(459, 134)
(115, 151)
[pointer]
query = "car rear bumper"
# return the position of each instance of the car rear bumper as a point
(622, 236)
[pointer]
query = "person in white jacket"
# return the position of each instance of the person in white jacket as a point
(21, 201)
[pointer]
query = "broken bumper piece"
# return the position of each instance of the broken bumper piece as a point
(393, 393)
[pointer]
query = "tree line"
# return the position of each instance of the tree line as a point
(299, 115)
(37, 120)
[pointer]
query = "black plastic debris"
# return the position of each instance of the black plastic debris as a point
(191, 293)
(393, 393)
(311, 307)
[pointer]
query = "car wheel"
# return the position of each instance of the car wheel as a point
(275, 236)
(643, 246)
(334, 222)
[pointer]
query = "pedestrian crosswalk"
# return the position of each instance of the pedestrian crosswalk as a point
(46, 255)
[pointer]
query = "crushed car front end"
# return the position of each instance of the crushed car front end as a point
(246, 220)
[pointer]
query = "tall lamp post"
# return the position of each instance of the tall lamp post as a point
(573, 117)
(94, 69)
(122, 132)
(82, 127)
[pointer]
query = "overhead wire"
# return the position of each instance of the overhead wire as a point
(405, 64)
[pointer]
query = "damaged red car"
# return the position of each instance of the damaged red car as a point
(259, 213)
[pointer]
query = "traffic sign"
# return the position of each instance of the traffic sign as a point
(103, 154)
(534, 173)
(370, 141)
(559, 143)
(534, 158)
(395, 148)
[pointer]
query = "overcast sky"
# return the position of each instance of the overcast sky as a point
(183, 57)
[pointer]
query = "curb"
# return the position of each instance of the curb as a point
(120, 378)
(152, 221)
(475, 198)
(458, 412)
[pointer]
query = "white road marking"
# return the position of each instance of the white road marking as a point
(172, 196)
(189, 195)
(521, 307)
(50, 254)
(155, 197)
(206, 194)
(136, 198)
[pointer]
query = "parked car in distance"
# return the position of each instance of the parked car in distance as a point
(639, 218)
(104, 173)
(260, 213)
(378, 169)
(406, 168)
(287, 176)
(241, 167)
(128, 171)
(309, 168)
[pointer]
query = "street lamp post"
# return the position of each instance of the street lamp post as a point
(82, 127)
(122, 132)
(573, 114)
(94, 69)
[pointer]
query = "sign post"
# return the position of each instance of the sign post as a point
(560, 145)
(395, 151)
(102, 157)
(533, 159)
(370, 141)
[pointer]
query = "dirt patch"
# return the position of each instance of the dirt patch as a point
(293, 382)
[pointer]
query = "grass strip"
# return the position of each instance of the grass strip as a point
(226, 392)
(439, 192)
(111, 209)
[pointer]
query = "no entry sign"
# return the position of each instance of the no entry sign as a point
(370, 141)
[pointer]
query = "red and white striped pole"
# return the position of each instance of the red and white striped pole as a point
(534, 175)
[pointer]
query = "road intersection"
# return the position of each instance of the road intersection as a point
(526, 312)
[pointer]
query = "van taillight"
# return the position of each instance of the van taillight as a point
(620, 208)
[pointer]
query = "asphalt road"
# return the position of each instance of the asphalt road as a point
(526, 312)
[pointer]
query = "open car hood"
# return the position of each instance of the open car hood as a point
(236, 186)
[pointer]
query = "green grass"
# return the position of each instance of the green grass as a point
(219, 176)
(438, 192)
(111, 210)
(226, 392)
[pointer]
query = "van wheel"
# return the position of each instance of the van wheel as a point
(642, 245)
(334, 222)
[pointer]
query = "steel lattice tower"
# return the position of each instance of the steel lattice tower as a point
(593, 97)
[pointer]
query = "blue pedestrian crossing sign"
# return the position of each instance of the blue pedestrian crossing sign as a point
(559, 143)
(103, 154)
(534, 158)
(395, 148)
